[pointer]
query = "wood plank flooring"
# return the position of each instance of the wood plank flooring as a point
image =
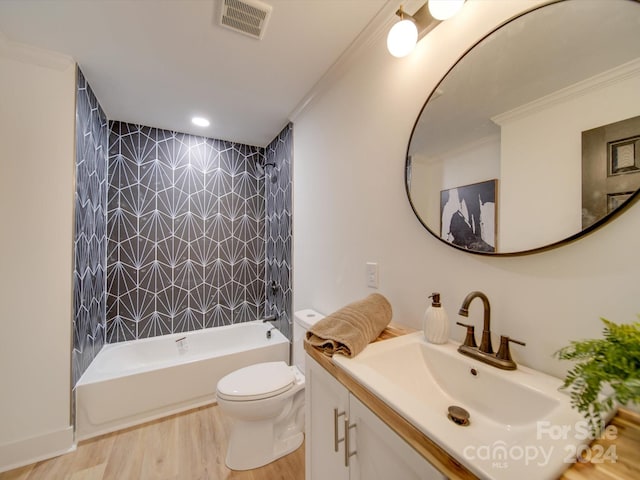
(188, 446)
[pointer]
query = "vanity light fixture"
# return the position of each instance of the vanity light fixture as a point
(200, 121)
(404, 35)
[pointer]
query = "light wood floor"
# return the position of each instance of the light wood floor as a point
(187, 446)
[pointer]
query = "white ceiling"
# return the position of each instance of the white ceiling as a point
(160, 62)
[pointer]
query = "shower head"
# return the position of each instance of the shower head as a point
(262, 170)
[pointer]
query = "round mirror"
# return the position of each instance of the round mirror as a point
(532, 138)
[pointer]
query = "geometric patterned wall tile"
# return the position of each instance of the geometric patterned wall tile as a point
(278, 229)
(186, 223)
(90, 230)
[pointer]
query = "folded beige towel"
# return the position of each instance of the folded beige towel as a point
(349, 330)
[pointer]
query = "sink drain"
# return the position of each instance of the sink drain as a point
(458, 415)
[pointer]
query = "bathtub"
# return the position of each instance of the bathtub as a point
(137, 381)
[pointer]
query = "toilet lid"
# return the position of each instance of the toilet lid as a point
(255, 382)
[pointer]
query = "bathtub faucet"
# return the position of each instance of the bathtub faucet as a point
(269, 331)
(270, 318)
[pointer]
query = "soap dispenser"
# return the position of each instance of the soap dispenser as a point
(436, 321)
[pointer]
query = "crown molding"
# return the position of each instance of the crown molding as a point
(460, 149)
(584, 87)
(377, 28)
(24, 53)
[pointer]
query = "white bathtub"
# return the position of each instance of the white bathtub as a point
(141, 380)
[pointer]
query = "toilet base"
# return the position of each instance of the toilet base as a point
(266, 429)
(253, 446)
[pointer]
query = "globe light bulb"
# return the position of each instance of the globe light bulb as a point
(443, 9)
(402, 38)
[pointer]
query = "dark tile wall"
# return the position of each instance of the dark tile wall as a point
(278, 228)
(186, 233)
(90, 239)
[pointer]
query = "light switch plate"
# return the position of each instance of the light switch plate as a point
(372, 275)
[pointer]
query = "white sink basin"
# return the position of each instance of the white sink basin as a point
(521, 426)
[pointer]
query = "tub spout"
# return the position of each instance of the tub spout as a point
(270, 318)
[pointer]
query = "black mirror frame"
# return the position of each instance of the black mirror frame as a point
(583, 233)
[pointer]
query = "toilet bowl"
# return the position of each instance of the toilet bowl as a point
(266, 404)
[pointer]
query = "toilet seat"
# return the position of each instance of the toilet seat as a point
(256, 382)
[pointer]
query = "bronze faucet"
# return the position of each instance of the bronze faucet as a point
(484, 353)
(485, 344)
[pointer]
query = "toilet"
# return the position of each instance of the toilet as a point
(266, 403)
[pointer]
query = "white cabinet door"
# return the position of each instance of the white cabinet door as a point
(380, 453)
(325, 400)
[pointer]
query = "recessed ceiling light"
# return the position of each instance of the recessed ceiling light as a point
(200, 121)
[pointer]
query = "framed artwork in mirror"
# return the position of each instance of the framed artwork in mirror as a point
(468, 216)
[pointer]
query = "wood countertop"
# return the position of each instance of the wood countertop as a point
(625, 445)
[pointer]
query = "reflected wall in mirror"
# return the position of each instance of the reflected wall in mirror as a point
(522, 106)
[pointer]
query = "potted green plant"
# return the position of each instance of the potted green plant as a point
(607, 371)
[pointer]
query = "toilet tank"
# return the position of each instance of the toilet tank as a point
(302, 321)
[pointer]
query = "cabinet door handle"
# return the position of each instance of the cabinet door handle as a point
(347, 453)
(336, 439)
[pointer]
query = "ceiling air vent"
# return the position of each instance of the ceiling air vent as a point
(245, 16)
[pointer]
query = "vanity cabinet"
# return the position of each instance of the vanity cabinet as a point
(326, 406)
(347, 441)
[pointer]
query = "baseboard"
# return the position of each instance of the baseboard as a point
(34, 449)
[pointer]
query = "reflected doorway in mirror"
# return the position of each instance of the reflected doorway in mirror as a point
(610, 168)
(468, 216)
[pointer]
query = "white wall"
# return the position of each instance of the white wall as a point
(350, 207)
(37, 119)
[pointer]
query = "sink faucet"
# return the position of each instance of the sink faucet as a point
(484, 353)
(485, 344)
